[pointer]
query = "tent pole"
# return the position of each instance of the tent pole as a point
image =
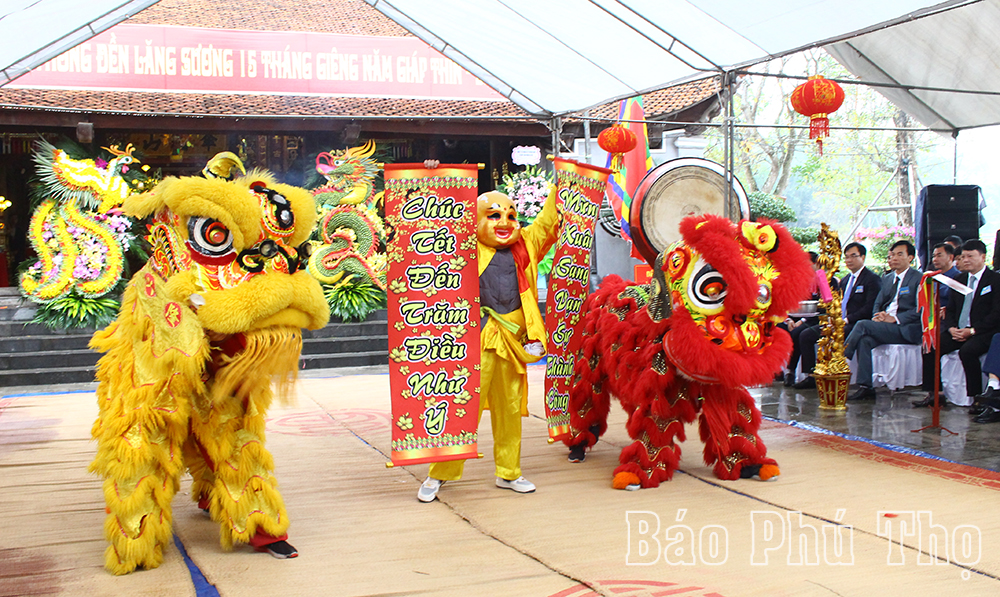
(728, 145)
(556, 127)
(954, 157)
(586, 136)
(871, 206)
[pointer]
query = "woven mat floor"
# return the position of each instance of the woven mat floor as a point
(845, 518)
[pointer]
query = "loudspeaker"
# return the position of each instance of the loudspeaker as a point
(949, 210)
(965, 225)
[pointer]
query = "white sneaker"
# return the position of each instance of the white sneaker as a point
(429, 489)
(520, 485)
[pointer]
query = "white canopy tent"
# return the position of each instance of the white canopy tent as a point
(942, 70)
(559, 57)
(36, 31)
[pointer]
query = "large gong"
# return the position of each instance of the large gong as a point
(674, 190)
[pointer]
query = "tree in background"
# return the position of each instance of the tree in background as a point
(773, 207)
(764, 157)
(837, 187)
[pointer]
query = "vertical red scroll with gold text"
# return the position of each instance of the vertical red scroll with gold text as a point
(433, 305)
(581, 190)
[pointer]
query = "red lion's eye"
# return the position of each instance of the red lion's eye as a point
(216, 233)
(676, 262)
(707, 289)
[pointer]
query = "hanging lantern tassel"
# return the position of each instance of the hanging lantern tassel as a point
(819, 127)
(817, 98)
(617, 141)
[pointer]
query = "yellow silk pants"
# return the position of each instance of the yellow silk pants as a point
(501, 387)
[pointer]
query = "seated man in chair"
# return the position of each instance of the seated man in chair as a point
(896, 320)
(945, 258)
(859, 289)
(971, 320)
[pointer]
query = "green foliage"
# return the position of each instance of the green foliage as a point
(804, 236)
(879, 239)
(763, 156)
(354, 301)
(772, 207)
(77, 311)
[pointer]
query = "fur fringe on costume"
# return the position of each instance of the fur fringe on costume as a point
(186, 378)
(670, 359)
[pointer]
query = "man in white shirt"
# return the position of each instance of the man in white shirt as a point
(896, 320)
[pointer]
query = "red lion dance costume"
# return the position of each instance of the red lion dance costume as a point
(685, 345)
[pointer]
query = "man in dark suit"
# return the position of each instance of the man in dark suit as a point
(796, 325)
(896, 320)
(956, 243)
(858, 291)
(970, 320)
(943, 259)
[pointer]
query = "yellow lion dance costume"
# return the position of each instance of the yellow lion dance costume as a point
(185, 380)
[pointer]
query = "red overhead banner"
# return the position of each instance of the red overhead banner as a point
(200, 60)
(433, 306)
(581, 190)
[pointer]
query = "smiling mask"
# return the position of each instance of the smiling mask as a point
(497, 224)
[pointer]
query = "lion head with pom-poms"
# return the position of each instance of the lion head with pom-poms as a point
(684, 346)
(729, 285)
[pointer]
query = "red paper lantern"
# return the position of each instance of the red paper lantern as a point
(617, 140)
(816, 98)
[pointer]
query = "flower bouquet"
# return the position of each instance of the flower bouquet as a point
(528, 189)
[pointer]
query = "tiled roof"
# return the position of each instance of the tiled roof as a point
(659, 103)
(208, 104)
(352, 17)
(667, 101)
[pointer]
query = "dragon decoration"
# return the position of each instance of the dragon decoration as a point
(351, 235)
(685, 346)
(77, 231)
(185, 380)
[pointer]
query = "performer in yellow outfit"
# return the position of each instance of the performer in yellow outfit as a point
(513, 332)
